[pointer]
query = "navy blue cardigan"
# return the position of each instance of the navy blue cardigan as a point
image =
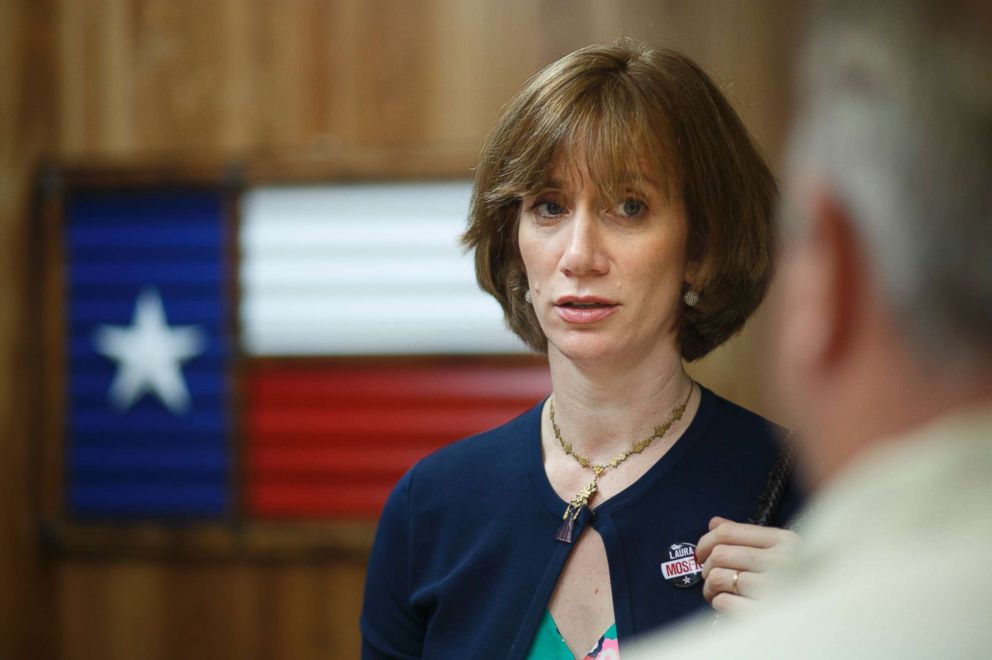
(465, 558)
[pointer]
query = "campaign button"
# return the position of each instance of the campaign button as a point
(681, 569)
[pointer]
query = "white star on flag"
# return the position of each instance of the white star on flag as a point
(148, 353)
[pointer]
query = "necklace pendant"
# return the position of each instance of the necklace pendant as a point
(564, 533)
(579, 502)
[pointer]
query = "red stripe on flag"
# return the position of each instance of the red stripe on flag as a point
(381, 421)
(485, 381)
(333, 462)
(329, 441)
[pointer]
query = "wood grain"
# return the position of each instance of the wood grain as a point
(28, 131)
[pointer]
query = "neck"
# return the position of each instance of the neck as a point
(881, 398)
(602, 408)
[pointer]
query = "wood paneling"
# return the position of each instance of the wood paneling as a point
(311, 76)
(160, 80)
(28, 130)
(131, 609)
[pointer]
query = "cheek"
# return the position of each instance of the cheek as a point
(538, 255)
(798, 330)
(652, 282)
(527, 248)
(661, 271)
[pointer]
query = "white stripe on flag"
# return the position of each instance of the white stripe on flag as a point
(363, 269)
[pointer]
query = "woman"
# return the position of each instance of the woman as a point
(622, 218)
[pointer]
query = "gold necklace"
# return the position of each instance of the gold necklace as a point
(581, 498)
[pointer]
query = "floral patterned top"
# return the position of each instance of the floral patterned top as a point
(550, 645)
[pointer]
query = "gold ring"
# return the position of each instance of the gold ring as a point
(737, 575)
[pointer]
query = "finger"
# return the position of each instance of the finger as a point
(735, 533)
(726, 531)
(738, 557)
(732, 605)
(721, 580)
(718, 520)
(732, 533)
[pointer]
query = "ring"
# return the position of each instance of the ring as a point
(737, 575)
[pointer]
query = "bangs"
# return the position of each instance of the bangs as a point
(611, 153)
(604, 130)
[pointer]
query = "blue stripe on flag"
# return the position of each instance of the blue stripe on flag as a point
(99, 271)
(164, 460)
(143, 499)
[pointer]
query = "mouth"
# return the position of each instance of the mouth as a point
(584, 309)
(584, 302)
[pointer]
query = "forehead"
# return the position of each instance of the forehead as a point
(576, 174)
(574, 170)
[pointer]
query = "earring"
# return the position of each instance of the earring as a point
(691, 298)
(527, 297)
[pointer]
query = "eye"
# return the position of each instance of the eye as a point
(631, 207)
(548, 209)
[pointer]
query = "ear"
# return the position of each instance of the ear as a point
(696, 273)
(842, 280)
(690, 274)
(816, 294)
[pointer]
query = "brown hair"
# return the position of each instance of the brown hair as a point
(618, 105)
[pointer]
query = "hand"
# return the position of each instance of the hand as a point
(744, 550)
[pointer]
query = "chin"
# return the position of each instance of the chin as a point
(608, 346)
(588, 347)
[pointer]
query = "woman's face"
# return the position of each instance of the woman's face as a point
(605, 275)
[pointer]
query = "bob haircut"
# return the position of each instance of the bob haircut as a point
(619, 108)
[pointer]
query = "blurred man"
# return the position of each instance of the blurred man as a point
(884, 340)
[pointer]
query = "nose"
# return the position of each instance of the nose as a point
(584, 253)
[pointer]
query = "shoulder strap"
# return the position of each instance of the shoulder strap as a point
(778, 479)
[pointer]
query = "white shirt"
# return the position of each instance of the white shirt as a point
(896, 563)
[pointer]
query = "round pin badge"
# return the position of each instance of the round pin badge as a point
(681, 569)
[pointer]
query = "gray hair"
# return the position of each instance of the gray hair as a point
(896, 117)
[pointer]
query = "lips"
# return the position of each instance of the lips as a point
(583, 310)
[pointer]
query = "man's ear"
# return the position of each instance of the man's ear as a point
(817, 289)
(841, 280)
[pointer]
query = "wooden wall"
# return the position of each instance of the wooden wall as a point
(90, 80)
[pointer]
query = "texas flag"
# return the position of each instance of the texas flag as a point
(288, 355)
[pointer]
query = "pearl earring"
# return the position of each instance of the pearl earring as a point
(527, 297)
(691, 298)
